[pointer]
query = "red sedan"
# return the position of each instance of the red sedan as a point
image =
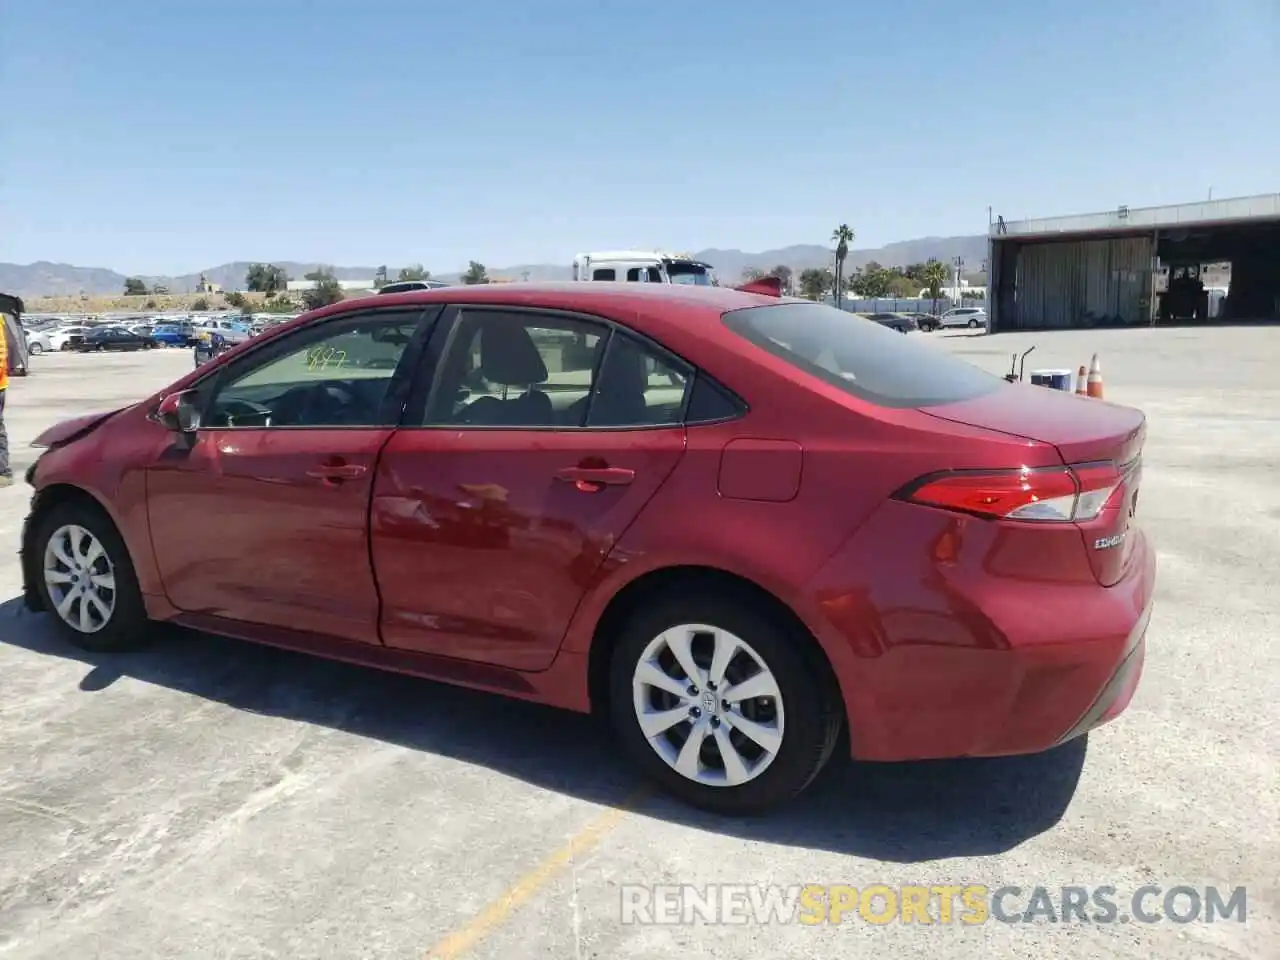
(738, 524)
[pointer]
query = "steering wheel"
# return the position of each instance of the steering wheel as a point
(246, 413)
(324, 403)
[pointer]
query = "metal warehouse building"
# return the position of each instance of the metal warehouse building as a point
(1138, 266)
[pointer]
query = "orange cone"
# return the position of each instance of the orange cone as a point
(1094, 385)
(1082, 380)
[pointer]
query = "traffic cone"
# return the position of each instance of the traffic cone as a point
(1082, 381)
(1094, 386)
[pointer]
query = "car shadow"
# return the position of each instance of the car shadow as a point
(896, 812)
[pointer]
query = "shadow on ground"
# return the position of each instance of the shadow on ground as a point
(893, 812)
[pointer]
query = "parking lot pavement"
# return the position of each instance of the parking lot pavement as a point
(206, 798)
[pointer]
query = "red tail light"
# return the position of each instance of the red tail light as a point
(1056, 494)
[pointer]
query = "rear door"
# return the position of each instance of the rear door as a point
(523, 459)
(263, 519)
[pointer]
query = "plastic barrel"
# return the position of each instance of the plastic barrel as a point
(1054, 379)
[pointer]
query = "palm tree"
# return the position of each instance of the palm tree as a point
(934, 276)
(843, 236)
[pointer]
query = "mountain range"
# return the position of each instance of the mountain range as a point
(61, 279)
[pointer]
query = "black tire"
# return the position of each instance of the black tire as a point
(814, 717)
(126, 629)
(974, 324)
(35, 349)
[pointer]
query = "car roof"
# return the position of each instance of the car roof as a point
(680, 305)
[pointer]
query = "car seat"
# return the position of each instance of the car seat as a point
(510, 359)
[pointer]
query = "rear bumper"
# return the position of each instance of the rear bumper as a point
(956, 660)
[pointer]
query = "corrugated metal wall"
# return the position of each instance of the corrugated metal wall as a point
(1059, 284)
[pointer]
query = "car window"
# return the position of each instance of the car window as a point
(604, 274)
(636, 387)
(872, 362)
(338, 375)
(513, 370)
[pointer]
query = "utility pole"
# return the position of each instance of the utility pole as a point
(959, 262)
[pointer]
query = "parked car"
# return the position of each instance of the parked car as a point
(38, 342)
(894, 321)
(171, 335)
(927, 322)
(110, 338)
(404, 286)
(735, 524)
(62, 338)
(964, 317)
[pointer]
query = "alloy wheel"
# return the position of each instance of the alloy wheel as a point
(708, 705)
(80, 578)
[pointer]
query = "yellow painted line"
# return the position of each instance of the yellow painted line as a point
(523, 890)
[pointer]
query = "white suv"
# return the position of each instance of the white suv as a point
(964, 317)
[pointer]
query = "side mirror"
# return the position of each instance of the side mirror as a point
(178, 412)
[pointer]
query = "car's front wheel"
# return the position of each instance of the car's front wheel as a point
(720, 703)
(86, 578)
(974, 324)
(35, 349)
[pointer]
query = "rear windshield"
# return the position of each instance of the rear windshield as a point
(872, 362)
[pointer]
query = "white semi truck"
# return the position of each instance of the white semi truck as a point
(642, 266)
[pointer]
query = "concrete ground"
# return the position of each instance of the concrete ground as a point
(209, 799)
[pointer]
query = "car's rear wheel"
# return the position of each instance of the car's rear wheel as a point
(35, 349)
(721, 703)
(86, 578)
(974, 324)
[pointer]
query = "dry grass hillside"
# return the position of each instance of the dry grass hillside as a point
(141, 304)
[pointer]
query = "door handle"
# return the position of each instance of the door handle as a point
(591, 479)
(337, 472)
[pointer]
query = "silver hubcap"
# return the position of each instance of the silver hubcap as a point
(80, 579)
(708, 705)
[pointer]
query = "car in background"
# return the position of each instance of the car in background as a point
(894, 321)
(404, 286)
(926, 322)
(171, 335)
(749, 530)
(972, 317)
(62, 338)
(38, 342)
(231, 330)
(102, 339)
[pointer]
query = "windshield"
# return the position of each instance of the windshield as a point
(686, 271)
(861, 357)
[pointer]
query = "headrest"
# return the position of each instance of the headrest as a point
(508, 355)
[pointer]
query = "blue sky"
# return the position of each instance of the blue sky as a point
(159, 137)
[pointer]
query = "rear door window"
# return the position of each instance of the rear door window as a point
(865, 359)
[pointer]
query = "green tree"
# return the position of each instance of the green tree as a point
(133, 287)
(934, 278)
(266, 278)
(476, 273)
(814, 283)
(201, 305)
(843, 236)
(752, 274)
(236, 299)
(414, 272)
(327, 289)
(871, 282)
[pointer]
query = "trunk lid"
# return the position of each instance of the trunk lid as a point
(1084, 431)
(1082, 428)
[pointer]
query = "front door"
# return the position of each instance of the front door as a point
(263, 518)
(543, 439)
